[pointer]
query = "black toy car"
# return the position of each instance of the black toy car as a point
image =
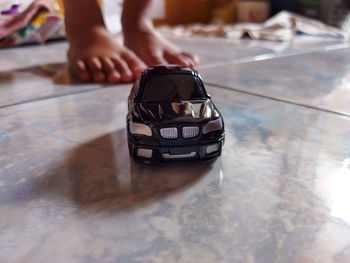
(171, 117)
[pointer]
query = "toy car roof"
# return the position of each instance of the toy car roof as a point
(167, 69)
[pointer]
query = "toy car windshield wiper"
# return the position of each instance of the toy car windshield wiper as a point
(171, 117)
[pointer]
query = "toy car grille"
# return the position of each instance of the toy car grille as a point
(190, 132)
(168, 133)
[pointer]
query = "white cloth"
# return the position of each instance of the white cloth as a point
(282, 27)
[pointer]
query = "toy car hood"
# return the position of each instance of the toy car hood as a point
(184, 111)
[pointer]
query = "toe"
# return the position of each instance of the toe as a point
(181, 58)
(188, 61)
(194, 58)
(155, 59)
(96, 69)
(177, 58)
(135, 64)
(80, 70)
(113, 75)
(123, 68)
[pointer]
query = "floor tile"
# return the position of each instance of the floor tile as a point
(212, 51)
(36, 72)
(32, 56)
(319, 79)
(38, 83)
(215, 51)
(69, 193)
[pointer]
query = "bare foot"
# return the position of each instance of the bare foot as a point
(94, 55)
(153, 48)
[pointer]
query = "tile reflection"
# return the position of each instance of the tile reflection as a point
(275, 195)
(317, 80)
(339, 192)
(101, 176)
(39, 82)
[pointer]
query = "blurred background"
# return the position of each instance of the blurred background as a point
(174, 12)
(49, 25)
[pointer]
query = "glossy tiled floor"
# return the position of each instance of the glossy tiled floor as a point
(279, 193)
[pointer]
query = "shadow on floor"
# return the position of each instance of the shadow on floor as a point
(101, 175)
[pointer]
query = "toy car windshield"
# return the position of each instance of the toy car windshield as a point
(172, 87)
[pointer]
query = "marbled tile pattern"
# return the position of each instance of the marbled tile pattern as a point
(318, 79)
(37, 83)
(38, 72)
(214, 52)
(32, 56)
(70, 193)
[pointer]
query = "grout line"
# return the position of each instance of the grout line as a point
(205, 82)
(56, 96)
(277, 99)
(262, 57)
(273, 55)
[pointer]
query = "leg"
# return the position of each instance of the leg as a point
(141, 37)
(94, 55)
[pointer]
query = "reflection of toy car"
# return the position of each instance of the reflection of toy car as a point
(171, 117)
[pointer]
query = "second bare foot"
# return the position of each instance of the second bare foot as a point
(153, 48)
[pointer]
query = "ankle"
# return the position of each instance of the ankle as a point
(88, 34)
(130, 25)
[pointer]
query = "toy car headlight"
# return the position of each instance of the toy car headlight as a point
(214, 125)
(139, 128)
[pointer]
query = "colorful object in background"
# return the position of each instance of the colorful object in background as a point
(38, 23)
(12, 11)
(43, 27)
(282, 27)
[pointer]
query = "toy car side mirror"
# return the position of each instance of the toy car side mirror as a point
(209, 96)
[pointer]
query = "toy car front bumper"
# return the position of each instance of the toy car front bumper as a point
(151, 154)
